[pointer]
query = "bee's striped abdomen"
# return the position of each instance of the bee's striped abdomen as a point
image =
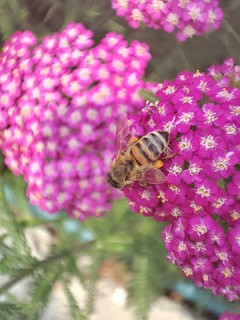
(160, 138)
(150, 147)
(140, 153)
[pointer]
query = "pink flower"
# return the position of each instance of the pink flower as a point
(201, 193)
(229, 316)
(186, 18)
(59, 104)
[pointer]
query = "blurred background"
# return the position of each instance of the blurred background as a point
(115, 267)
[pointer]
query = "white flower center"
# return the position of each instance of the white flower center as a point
(137, 15)
(145, 195)
(208, 142)
(221, 164)
(204, 192)
(194, 169)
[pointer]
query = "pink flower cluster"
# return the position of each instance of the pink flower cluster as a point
(187, 17)
(229, 316)
(201, 196)
(59, 103)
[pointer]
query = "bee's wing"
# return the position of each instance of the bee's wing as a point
(148, 174)
(122, 134)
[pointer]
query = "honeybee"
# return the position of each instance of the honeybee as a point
(137, 159)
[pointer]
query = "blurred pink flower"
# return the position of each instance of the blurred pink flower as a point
(186, 17)
(60, 100)
(229, 316)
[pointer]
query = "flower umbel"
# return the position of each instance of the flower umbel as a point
(59, 103)
(187, 18)
(201, 194)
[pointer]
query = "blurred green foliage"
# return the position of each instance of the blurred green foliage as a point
(130, 239)
(130, 243)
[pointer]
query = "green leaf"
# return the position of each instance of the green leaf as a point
(148, 95)
(19, 250)
(15, 190)
(44, 281)
(114, 244)
(73, 270)
(9, 311)
(76, 312)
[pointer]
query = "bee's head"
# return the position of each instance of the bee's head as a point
(112, 182)
(119, 173)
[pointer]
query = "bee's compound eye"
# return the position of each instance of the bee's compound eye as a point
(109, 178)
(112, 182)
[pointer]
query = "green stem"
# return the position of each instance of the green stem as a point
(13, 281)
(184, 57)
(232, 31)
(45, 263)
(92, 288)
(4, 208)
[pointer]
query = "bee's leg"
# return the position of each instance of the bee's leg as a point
(158, 164)
(168, 152)
(127, 183)
(133, 140)
(170, 156)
